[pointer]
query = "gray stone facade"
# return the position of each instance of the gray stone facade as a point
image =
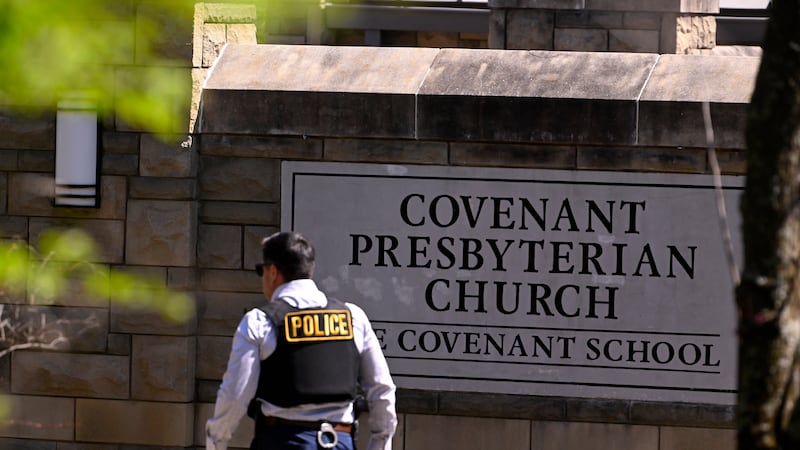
(191, 212)
(667, 27)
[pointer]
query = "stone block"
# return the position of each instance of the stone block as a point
(123, 422)
(228, 13)
(641, 21)
(500, 405)
(119, 344)
(240, 179)
(450, 433)
(589, 19)
(592, 436)
(198, 79)
(230, 280)
(219, 313)
(156, 188)
(77, 329)
(37, 161)
(695, 32)
(214, 39)
(682, 414)
(597, 410)
(581, 39)
(182, 278)
(84, 446)
(107, 234)
(252, 244)
(684, 438)
(207, 390)
(241, 436)
(116, 143)
(133, 321)
(310, 113)
(5, 375)
(27, 444)
(365, 91)
(529, 29)
(532, 96)
(219, 247)
(172, 158)
(8, 160)
(163, 368)
(31, 194)
(3, 193)
(120, 164)
(398, 441)
(243, 33)
(20, 132)
(261, 147)
(160, 232)
(33, 417)
(212, 356)
(240, 213)
(70, 374)
(657, 159)
(671, 104)
(498, 155)
(386, 151)
(731, 163)
(634, 41)
(13, 227)
(675, 6)
(413, 401)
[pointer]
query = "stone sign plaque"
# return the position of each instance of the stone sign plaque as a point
(539, 282)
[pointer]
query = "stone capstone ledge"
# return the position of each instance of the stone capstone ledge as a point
(511, 96)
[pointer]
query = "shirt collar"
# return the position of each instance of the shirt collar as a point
(300, 294)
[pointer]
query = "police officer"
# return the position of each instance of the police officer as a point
(302, 359)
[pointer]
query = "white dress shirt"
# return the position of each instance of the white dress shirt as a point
(255, 339)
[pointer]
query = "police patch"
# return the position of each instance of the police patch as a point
(318, 325)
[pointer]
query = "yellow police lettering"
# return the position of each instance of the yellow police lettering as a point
(296, 324)
(319, 325)
(333, 323)
(343, 324)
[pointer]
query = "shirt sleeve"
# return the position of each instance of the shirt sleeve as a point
(239, 383)
(379, 388)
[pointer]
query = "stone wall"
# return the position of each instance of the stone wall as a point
(617, 112)
(657, 26)
(191, 212)
(128, 380)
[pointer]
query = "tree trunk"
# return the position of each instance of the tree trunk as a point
(769, 294)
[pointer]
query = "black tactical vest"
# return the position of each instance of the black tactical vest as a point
(316, 359)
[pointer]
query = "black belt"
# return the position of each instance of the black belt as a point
(271, 421)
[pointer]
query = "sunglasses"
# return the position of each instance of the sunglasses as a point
(260, 268)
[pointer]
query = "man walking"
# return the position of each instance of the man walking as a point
(302, 359)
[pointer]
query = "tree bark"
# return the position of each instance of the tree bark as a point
(768, 297)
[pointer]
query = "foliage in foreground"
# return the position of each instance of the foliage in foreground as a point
(62, 262)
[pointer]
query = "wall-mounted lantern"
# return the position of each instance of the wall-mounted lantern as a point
(76, 152)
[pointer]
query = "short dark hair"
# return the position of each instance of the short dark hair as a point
(291, 253)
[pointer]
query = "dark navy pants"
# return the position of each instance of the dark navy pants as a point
(291, 437)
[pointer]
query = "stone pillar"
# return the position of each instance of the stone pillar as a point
(639, 26)
(216, 24)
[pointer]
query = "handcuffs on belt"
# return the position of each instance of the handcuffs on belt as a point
(326, 428)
